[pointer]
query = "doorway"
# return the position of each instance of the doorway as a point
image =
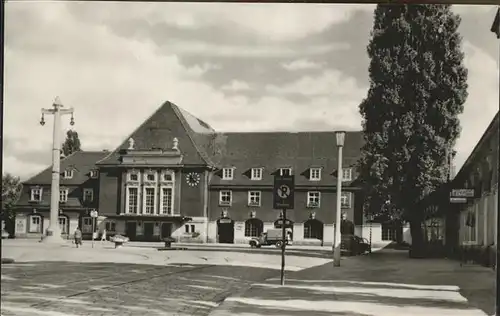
(149, 231)
(225, 231)
(166, 230)
(131, 230)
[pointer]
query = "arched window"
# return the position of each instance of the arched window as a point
(313, 228)
(253, 227)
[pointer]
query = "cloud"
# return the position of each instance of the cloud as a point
(482, 103)
(329, 83)
(300, 64)
(236, 85)
(271, 21)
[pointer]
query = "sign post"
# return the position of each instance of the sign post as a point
(94, 216)
(283, 198)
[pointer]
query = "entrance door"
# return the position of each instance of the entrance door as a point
(131, 229)
(149, 231)
(166, 230)
(225, 230)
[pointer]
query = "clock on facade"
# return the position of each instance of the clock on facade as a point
(193, 179)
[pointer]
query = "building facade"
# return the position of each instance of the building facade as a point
(176, 176)
(472, 222)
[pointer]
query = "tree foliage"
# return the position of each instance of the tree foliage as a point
(418, 85)
(71, 144)
(11, 191)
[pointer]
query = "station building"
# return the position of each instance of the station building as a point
(176, 176)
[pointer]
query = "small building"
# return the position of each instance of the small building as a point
(176, 176)
(473, 222)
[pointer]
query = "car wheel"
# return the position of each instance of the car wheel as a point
(253, 244)
(279, 244)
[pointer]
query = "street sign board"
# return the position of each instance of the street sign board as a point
(462, 193)
(458, 200)
(94, 213)
(283, 192)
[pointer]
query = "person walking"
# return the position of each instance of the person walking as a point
(103, 235)
(78, 237)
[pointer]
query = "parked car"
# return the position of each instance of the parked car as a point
(353, 245)
(271, 237)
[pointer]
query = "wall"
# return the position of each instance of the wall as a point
(22, 223)
(109, 192)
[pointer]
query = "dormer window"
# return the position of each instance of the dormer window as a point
(94, 174)
(347, 174)
(256, 174)
(36, 194)
(285, 171)
(68, 174)
(227, 174)
(315, 174)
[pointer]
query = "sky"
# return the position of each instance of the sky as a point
(239, 67)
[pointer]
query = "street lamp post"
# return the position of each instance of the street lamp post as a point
(53, 233)
(340, 136)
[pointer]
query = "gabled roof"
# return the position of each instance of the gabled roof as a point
(491, 131)
(81, 162)
(273, 150)
(159, 130)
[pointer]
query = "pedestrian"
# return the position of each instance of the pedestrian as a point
(78, 237)
(103, 235)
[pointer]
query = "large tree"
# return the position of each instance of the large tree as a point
(418, 85)
(11, 191)
(71, 144)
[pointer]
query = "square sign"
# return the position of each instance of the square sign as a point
(283, 192)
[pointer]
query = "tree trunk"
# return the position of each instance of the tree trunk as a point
(417, 239)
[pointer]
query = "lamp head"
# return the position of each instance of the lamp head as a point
(340, 137)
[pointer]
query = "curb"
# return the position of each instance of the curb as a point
(7, 260)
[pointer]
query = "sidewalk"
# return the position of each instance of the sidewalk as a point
(383, 283)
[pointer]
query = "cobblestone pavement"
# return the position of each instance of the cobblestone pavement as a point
(64, 288)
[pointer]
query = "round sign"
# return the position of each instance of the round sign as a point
(284, 191)
(93, 214)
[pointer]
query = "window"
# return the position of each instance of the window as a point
(167, 177)
(150, 176)
(35, 224)
(63, 195)
(68, 174)
(166, 200)
(189, 229)
(227, 174)
(256, 174)
(345, 200)
(253, 227)
(110, 226)
(88, 195)
(315, 174)
(94, 174)
(285, 171)
(313, 199)
(132, 200)
(149, 200)
(133, 176)
(347, 174)
(63, 224)
(313, 228)
(225, 197)
(254, 198)
(87, 225)
(388, 232)
(36, 194)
